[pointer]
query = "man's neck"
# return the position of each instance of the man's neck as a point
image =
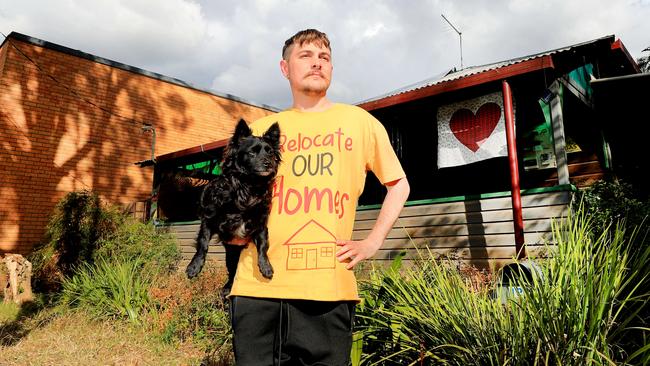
(308, 103)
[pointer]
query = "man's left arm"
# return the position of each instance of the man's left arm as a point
(358, 250)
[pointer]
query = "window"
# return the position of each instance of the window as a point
(296, 253)
(327, 252)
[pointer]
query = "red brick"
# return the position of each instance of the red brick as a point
(54, 114)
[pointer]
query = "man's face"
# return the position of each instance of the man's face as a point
(308, 68)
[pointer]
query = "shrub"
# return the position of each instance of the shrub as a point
(79, 220)
(157, 251)
(583, 309)
(614, 202)
(82, 231)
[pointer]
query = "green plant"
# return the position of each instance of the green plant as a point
(109, 289)
(373, 324)
(79, 220)
(82, 231)
(184, 309)
(584, 308)
(156, 249)
(8, 312)
(613, 202)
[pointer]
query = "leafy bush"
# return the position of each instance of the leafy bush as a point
(613, 202)
(82, 231)
(109, 289)
(583, 309)
(156, 250)
(79, 220)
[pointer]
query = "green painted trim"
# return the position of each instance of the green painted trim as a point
(524, 192)
(605, 147)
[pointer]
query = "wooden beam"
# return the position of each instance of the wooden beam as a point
(559, 141)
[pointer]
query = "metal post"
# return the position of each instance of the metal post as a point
(460, 35)
(515, 190)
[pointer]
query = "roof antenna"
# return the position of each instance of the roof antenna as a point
(460, 35)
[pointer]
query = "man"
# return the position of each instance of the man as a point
(304, 314)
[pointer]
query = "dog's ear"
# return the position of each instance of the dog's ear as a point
(272, 135)
(242, 130)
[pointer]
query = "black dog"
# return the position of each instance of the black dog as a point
(237, 202)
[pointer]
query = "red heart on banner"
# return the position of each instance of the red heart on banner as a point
(472, 130)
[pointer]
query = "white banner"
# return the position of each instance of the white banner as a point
(471, 131)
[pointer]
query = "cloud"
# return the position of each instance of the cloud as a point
(378, 46)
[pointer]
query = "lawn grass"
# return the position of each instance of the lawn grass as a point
(74, 338)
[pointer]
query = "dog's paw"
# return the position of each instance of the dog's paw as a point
(225, 291)
(193, 270)
(267, 271)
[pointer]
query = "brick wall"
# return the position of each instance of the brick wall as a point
(64, 135)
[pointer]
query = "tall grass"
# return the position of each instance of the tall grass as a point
(109, 289)
(584, 308)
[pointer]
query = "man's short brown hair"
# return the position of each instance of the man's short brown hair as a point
(305, 36)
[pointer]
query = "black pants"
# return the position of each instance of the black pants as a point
(269, 332)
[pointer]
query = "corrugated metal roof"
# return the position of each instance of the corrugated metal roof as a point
(452, 74)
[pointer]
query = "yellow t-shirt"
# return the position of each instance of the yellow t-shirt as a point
(325, 156)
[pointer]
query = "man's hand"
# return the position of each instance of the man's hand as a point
(239, 241)
(356, 250)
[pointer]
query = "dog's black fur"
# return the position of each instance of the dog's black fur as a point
(237, 202)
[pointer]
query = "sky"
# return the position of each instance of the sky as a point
(234, 47)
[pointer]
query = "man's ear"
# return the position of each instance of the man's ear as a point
(242, 130)
(284, 67)
(272, 135)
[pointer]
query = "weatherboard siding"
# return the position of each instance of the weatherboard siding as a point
(478, 232)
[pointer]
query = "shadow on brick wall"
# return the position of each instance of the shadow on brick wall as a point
(68, 124)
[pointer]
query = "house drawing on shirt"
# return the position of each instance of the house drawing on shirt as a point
(311, 247)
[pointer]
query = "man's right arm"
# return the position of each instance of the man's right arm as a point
(356, 251)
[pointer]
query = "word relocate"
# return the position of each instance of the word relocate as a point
(335, 139)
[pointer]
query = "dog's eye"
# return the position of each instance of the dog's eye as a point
(252, 153)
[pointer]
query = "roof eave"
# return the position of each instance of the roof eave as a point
(204, 148)
(620, 47)
(544, 62)
(136, 70)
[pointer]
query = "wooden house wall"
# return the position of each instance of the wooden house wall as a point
(478, 231)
